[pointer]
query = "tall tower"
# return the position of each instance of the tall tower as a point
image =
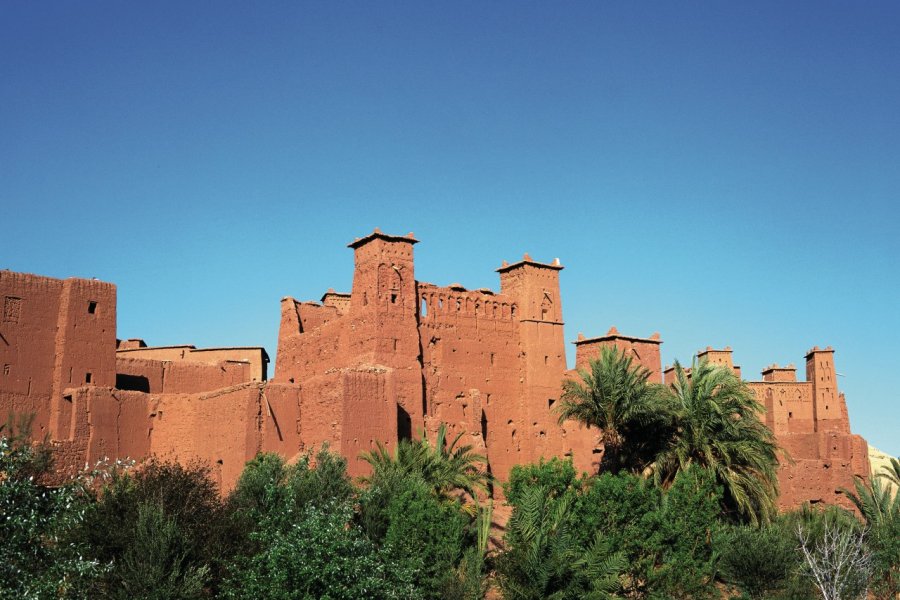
(829, 410)
(534, 288)
(383, 324)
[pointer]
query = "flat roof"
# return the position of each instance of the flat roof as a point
(333, 293)
(618, 336)
(266, 354)
(191, 346)
(533, 263)
(384, 236)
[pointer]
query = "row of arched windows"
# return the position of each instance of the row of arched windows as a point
(440, 304)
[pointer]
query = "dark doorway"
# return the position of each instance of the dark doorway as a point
(404, 424)
(135, 383)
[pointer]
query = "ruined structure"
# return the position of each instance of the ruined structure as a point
(390, 359)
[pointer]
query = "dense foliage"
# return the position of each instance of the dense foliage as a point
(683, 508)
(36, 560)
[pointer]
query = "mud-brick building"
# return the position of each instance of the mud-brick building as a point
(389, 359)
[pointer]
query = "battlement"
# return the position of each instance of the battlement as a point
(456, 300)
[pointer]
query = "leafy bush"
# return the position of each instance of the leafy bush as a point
(157, 564)
(539, 555)
(760, 561)
(689, 518)
(37, 558)
(269, 489)
(191, 530)
(426, 535)
(625, 508)
(318, 556)
(556, 477)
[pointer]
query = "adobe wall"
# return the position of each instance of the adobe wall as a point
(473, 376)
(643, 351)
(810, 421)
(255, 357)
(394, 357)
(227, 427)
(53, 334)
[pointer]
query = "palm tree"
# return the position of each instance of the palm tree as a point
(717, 426)
(891, 473)
(445, 468)
(542, 560)
(615, 396)
(540, 551)
(874, 501)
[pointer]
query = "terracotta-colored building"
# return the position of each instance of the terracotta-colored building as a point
(390, 359)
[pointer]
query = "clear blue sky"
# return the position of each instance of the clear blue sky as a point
(723, 173)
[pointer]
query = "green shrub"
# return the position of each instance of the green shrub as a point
(197, 529)
(538, 560)
(556, 477)
(157, 564)
(426, 535)
(625, 509)
(37, 557)
(318, 556)
(270, 490)
(758, 560)
(690, 521)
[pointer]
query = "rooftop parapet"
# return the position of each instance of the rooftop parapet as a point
(527, 260)
(816, 349)
(613, 334)
(377, 234)
(784, 374)
(333, 294)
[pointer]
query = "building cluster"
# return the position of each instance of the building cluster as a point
(392, 359)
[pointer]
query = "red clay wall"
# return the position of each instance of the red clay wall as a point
(643, 351)
(55, 334)
(810, 422)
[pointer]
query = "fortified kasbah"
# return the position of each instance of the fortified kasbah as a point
(390, 359)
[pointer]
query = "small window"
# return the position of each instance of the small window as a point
(87, 377)
(546, 358)
(551, 402)
(393, 298)
(67, 398)
(6, 369)
(492, 358)
(424, 310)
(92, 307)
(790, 415)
